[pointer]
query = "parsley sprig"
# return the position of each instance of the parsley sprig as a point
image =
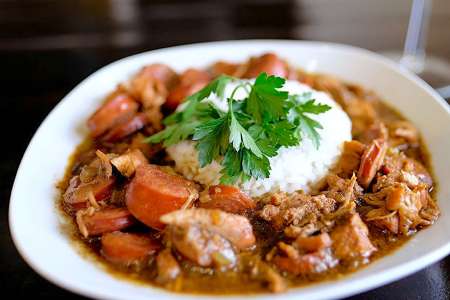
(250, 132)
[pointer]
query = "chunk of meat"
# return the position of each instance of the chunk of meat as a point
(227, 198)
(117, 108)
(202, 246)
(342, 190)
(295, 208)
(383, 219)
(222, 67)
(313, 243)
(150, 86)
(329, 84)
(376, 131)
(302, 264)
(411, 202)
(161, 72)
(403, 132)
(191, 81)
(351, 239)
(153, 193)
(413, 166)
(350, 159)
(237, 229)
(98, 168)
(167, 265)
(126, 128)
(104, 220)
(128, 248)
(129, 161)
(371, 162)
(398, 168)
(363, 115)
(268, 63)
(395, 197)
(77, 194)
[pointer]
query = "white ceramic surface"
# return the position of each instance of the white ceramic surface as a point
(34, 220)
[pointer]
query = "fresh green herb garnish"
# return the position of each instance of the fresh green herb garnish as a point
(250, 132)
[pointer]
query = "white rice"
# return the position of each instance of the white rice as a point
(294, 168)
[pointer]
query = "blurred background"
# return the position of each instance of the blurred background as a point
(47, 47)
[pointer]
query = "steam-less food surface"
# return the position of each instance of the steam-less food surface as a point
(146, 212)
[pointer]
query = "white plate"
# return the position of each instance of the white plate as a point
(34, 220)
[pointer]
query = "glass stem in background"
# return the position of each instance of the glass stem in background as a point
(414, 50)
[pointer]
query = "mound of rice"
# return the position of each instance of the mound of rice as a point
(294, 168)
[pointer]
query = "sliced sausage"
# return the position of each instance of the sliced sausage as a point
(268, 63)
(126, 128)
(153, 193)
(118, 107)
(228, 198)
(191, 81)
(223, 67)
(237, 229)
(128, 248)
(106, 220)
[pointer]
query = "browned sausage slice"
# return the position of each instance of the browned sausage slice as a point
(128, 248)
(223, 67)
(268, 63)
(228, 198)
(161, 72)
(126, 128)
(371, 162)
(106, 220)
(153, 193)
(191, 81)
(118, 107)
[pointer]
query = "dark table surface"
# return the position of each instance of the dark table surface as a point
(47, 47)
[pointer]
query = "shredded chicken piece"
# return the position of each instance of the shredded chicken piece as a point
(81, 226)
(297, 209)
(401, 209)
(105, 164)
(129, 161)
